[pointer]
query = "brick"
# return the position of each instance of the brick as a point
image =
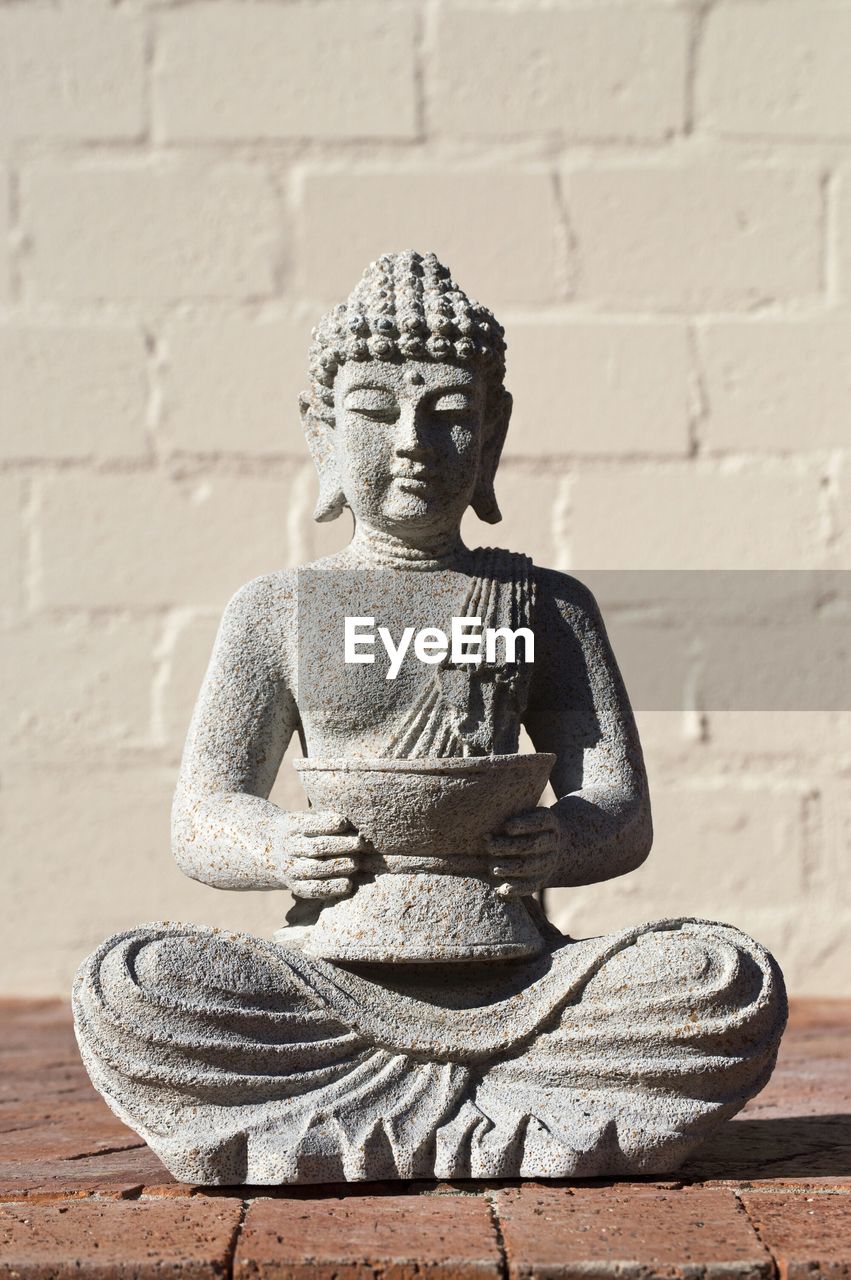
(311, 540)
(144, 1240)
(582, 74)
(72, 393)
(656, 661)
(841, 507)
(71, 75)
(56, 1077)
(114, 1175)
(776, 386)
(189, 646)
(843, 236)
(778, 735)
(105, 706)
(551, 1234)
(719, 853)
(233, 386)
(61, 1129)
(190, 542)
(597, 389)
(763, 1152)
(26, 1019)
(447, 212)
(323, 72)
(777, 73)
(115, 821)
(13, 562)
(813, 943)
(359, 1237)
(150, 233)
(5, 241)
(531, 502)
(689, 518)
(836, 796)
(706, 236)
(804, 668)
(808, 1235)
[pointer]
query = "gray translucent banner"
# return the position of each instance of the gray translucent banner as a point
(730, 640)
(709, 640)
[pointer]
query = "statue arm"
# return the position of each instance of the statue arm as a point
(580, 710)
(225, 832)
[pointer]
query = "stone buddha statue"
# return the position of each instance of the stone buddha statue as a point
(417, 1016)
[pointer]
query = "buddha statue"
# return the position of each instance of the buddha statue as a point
(417, 1016)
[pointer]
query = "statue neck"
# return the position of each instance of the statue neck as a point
(378, 549)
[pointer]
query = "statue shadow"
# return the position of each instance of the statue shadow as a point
(797, 1147)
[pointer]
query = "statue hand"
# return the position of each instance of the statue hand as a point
(525, 854)
(317, 854)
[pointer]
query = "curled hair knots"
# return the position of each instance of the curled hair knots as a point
(406, 306)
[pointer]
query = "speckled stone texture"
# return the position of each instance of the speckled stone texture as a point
(418, 1016)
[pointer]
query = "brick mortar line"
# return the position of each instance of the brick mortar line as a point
(359, 158)
(181, 466)
(110, 315)
(737, 1195)
(488, 1197)
(230, 1257)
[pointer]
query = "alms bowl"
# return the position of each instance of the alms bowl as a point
(430, 807)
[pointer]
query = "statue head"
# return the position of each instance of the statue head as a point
(406, 414)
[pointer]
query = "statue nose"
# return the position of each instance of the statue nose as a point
(409, 441)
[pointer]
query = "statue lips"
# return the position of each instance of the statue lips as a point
(417, 482)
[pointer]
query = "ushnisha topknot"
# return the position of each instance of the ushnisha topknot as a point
(405, 307)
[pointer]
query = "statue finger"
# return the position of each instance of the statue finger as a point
(311, 869)
(334, 846)
(330, 868)
(521, 846)
(534, 820)
(338, 888)
(323, 822)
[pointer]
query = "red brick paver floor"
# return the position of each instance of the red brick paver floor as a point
(81, 1195)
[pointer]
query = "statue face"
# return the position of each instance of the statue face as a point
(408, 442)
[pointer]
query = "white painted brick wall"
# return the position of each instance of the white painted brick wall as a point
(597, 74)
(655, 196)
(248, 71)
(787, 78)
(73, 392)
(71, 74)
(146, 232)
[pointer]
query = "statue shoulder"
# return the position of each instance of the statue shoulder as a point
(261, 617)
(560, 595)
(262, 598)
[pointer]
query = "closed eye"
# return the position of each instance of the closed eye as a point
(379, 406)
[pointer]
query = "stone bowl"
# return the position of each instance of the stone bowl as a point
(425, 895)
(427, 807)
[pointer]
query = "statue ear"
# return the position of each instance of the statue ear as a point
(484, 501)
(320, 441)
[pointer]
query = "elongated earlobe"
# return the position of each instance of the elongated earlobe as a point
(320, 441)
(484, 501)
